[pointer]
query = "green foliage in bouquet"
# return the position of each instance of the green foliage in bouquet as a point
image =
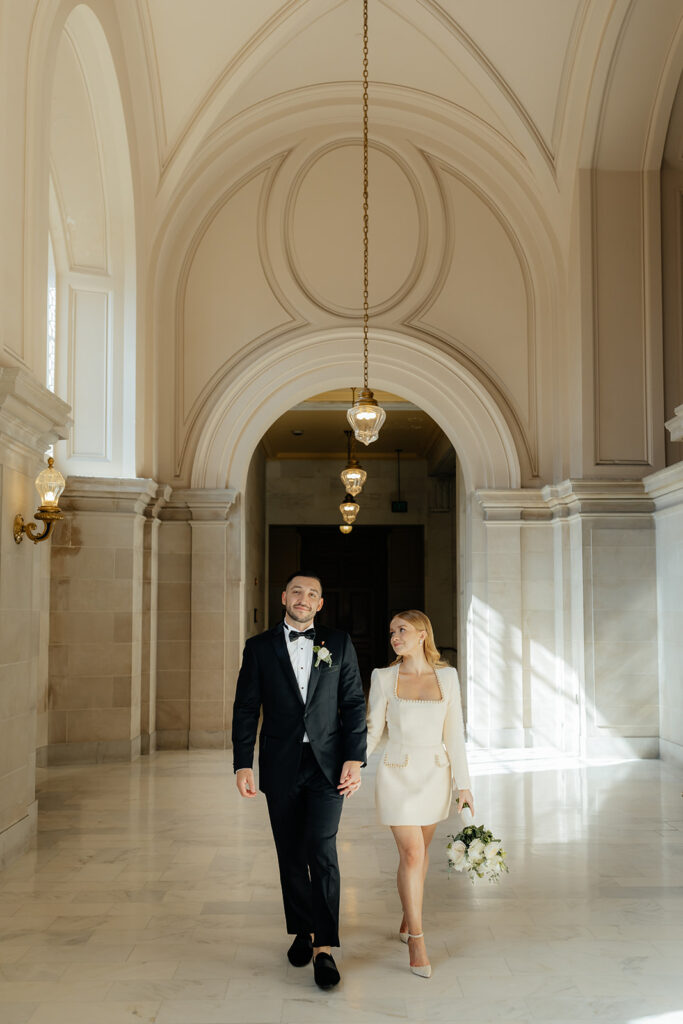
(477, 851)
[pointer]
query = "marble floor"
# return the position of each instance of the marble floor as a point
(151, 896)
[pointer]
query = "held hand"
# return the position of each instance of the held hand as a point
(349, 780)
(465, 798)
(245, 782)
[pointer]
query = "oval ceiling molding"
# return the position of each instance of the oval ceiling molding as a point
(323, 228)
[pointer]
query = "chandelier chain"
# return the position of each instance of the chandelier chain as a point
(366, 217)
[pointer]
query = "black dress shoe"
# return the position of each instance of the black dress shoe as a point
(300, 952)
(325, 971)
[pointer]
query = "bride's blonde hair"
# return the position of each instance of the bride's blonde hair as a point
(420, 621)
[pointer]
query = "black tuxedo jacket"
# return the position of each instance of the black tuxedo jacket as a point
(333, 715)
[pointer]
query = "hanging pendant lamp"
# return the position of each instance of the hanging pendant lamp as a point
(349, 509)
(353, 476)
(365, 416)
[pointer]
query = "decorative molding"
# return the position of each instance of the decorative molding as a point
(469, 45)
(168, 155)
(666, 487)
(269, 382)
(675, 425)
(31, 419)
(566, 500)
(162, 498)
(200, 504)
(184, 420)
(404, 289)
(528, 430)
(108, 494)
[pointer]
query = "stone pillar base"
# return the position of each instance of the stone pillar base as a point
(203, 739)
(172, 739)
(148, 743)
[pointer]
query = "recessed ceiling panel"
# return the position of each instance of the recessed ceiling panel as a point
(327, 229)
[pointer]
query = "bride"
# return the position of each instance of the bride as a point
(418, 698)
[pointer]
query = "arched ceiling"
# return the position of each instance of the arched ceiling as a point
(555, 79)
(508, 65)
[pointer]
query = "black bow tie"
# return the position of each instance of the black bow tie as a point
(308, 634)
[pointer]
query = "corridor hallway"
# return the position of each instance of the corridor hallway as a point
(152, 896)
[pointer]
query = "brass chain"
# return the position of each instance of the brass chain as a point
(365, 194)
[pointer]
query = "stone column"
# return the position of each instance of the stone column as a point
(150, 594)
(200, 617)
(216, 601)
(666, 490)
(563, 619)
(31, 418)
(96, 621)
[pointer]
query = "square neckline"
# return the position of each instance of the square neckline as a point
(418, 700)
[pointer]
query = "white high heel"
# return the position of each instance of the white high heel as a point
(424, 971)
(403, 936)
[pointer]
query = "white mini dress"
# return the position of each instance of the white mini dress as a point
(425, 753)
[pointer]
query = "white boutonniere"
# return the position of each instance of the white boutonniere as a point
(323, 654)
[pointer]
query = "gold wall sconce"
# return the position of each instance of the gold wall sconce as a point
(49, 483)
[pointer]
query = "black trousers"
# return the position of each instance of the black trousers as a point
(305, 824)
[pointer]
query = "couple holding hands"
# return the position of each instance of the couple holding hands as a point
(315, 738)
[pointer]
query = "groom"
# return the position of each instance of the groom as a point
(311, 749)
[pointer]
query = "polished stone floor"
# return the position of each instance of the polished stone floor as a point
(151, 896)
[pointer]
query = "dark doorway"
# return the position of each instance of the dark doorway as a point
(368, 576)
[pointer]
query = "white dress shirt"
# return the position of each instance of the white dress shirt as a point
(301, 656)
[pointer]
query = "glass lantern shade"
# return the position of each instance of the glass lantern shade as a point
(50, 483)
(349, 509)
(353, 478)
(346, 527)
(366, 417)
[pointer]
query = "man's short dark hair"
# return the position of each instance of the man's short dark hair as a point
(307, 574)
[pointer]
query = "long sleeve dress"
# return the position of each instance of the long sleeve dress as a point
(425, 753)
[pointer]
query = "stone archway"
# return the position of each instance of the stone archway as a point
(314, 362)
(255, 396)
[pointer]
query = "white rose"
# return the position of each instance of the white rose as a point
(475, 852)
(456, 854)
(492, 851)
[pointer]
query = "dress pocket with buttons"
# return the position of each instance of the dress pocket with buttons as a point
(396, 760)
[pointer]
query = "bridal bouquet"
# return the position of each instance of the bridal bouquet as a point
(476, 851)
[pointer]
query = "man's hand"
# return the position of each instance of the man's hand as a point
(349, 780)
(245, 782)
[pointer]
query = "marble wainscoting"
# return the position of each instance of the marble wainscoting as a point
(666, 488)
(31, 417)
(151, 897)
(562, 619)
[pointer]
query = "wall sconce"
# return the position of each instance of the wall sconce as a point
(49, 483)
